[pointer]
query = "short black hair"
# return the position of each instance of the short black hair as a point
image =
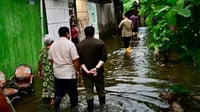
(63, 31)
(126, 14)
(89, 31)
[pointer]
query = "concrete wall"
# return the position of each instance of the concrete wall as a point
(106, 17)
(82, 15)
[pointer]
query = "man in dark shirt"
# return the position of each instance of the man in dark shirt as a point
(93, 55)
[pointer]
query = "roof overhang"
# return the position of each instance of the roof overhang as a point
(101, 1)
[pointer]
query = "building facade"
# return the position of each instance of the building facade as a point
(100, 14)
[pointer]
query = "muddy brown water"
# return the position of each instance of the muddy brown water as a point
(133, 81)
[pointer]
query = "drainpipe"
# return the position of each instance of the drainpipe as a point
(75, 10)
(41, 22)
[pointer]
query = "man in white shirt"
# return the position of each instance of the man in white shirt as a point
(64, 56)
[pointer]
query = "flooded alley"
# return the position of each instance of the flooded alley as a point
(133, 81)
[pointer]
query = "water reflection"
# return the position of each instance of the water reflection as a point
(133, 82)
(136, 81)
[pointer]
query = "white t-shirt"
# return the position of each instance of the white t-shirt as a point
(63, 52)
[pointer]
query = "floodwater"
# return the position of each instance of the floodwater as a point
(133, 81)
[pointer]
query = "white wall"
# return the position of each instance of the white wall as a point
(57, 12)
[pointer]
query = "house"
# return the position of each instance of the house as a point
(25, 22)
(98, 13)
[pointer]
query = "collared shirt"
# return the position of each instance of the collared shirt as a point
(91, 51)
(127, 26)
(63, 52)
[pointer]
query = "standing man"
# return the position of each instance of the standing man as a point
(64, 56)
(93, 55)
(127, 26)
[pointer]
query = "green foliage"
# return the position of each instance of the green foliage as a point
(173, 26)
(181, 11)
(20, 34)
(171, 17)
(128, 5)
(179, 89)
(158, 39)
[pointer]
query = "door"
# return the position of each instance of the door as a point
(57, 12)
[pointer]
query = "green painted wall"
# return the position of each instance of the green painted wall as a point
(20, 34)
